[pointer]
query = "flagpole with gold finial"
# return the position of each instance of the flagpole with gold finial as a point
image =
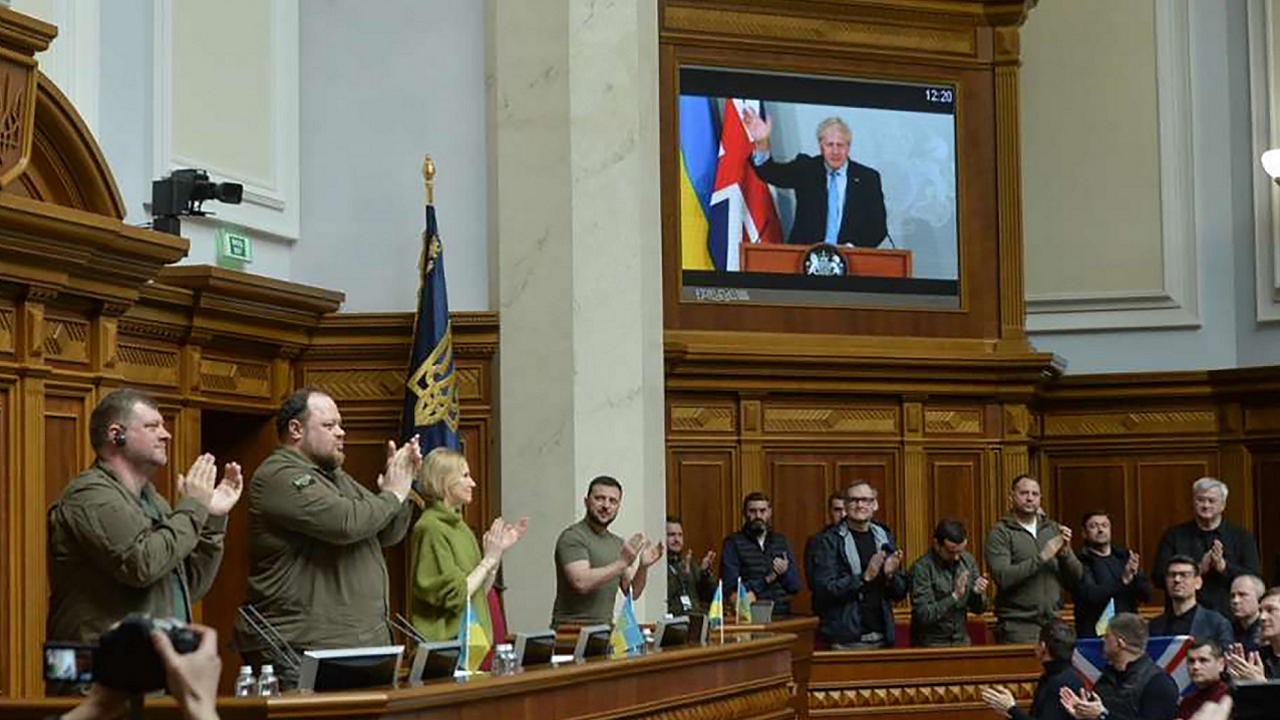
(429, 178)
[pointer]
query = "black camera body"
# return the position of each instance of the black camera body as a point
(124, 658)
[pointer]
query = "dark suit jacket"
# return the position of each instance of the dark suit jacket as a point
(863, 222)
(1206, 625)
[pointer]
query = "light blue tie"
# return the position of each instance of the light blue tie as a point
(833, 208)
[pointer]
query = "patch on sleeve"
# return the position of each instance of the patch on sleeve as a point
(303, 481)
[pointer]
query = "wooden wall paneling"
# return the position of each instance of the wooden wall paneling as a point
(29, 594)
(955, 480)
(246, 439)
(10, 571)
(1266, 469)
(480, 513)
(700, 491)
(1089, 483)
(799, 485)
(66, 435)
(1164, 493)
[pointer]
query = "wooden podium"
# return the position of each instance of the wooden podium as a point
(865, 262)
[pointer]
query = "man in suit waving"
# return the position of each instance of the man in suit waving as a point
(838, 201)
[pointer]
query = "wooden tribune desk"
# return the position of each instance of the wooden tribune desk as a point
(775, 258)
(925, 682)
(746, 678)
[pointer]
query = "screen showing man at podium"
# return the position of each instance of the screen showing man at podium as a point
(817, 190)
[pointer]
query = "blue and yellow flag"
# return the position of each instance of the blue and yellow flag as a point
(431, 386)
(699, 150)
(1105, 620)
(743, 608)
(626, 636)
(715, 614)
(474, 641)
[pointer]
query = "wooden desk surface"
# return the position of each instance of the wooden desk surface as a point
(748, 676)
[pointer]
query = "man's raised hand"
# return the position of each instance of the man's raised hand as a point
(757, 128)
(198, 483)
(228, 491)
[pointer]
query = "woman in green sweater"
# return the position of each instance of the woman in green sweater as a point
(448, 566)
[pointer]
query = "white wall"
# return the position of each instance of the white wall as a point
(1219, 328)
(380, 90)
(357, 98)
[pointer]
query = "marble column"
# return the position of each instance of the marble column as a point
(575, 222)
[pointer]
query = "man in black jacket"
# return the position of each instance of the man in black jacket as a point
(857, 576)
(1057, 642)
(1112, 576)
(1222, 549)
(1132, 686)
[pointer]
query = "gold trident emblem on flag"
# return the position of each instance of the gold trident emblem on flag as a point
(436, 386)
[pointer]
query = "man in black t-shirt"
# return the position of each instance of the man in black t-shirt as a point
(857, 576)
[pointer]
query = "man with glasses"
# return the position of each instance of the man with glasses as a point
(1184, 615)
(1222, 550)
(857, 576)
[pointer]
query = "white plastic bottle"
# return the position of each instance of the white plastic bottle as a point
(268, 683)
(246, 684)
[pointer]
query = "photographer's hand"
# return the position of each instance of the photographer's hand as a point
(193, 677)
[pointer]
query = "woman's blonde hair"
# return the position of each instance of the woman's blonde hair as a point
(438, 468)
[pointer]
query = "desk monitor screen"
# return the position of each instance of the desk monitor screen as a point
(1255, 700)
(436, 660)
(762, 612)
(593, 641)
(535, 648)
(672, 632)
(757, 226)
(350, 668)
(698, 628)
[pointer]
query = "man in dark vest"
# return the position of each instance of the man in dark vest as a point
(760, 556)
(1131, 686)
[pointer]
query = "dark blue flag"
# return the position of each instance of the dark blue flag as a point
(431, 395)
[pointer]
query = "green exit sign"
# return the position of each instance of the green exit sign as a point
(236, 247)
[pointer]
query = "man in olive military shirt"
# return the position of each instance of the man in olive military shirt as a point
(592, 564)
(115, 545)
(317, 573)
(945, 587)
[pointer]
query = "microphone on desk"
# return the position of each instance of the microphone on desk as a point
(266, 632)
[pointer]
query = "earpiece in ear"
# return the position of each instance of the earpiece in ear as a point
(118, 438)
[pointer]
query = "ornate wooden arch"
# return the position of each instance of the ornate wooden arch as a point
(66, 167)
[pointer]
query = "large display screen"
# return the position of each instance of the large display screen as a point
(808, 190)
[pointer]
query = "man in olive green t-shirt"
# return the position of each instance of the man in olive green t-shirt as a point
(592, 564)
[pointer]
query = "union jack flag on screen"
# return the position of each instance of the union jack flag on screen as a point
(742, 208)
(1169, 652)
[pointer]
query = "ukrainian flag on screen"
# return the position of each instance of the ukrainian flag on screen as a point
(699, 149)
